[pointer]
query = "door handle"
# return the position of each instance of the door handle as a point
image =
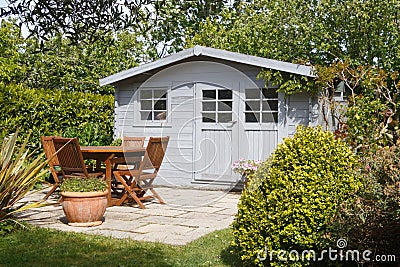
(233, 122)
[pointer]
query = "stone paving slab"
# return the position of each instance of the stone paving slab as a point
(188, 215)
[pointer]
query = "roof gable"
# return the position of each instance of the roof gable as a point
(213, 53)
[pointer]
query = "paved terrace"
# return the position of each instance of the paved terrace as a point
(188, 215)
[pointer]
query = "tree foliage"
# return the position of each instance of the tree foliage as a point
(79, 68)
(313, 31)
(77, 20)
(371, 115)
(11, 43)
(176, 21)
(63, 65)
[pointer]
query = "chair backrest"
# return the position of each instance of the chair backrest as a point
(154, 154)
(49, 150)
(133, 141)
(70, 156)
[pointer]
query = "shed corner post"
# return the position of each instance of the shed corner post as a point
(282, 116)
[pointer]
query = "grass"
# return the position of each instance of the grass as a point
(43, 247)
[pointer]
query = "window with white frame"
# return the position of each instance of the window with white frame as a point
(261, 105)
(217, 105)
(153, 104)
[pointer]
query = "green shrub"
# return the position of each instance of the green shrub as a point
(79, 184)
(19, 173)
(293, 197)
(373, 221)
(54, 112)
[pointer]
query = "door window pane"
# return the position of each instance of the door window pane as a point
(224, 94)
(209, 94)
(209, 106)
(269, 93)
(270, 105)
(252, 93)
(251, 117)
(270, 117)
(220, 102)
(257, 102)
(208, 117)
(224, 105)
(224, 117)
(253, 105)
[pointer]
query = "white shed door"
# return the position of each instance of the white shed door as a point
(216, 133)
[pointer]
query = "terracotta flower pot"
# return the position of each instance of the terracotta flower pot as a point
(84, 208)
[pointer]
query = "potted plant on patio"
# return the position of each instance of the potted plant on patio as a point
(84, 200)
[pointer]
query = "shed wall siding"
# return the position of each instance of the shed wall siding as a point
(298, 112)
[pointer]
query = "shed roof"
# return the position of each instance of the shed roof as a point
(213, 53)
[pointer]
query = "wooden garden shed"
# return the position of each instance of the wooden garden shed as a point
(214, 109)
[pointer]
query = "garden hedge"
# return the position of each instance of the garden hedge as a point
(293, 197)
(55, 112)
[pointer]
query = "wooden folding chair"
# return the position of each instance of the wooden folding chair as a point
(126, 163)
(139, 181)
(70, 158)
(50, 151)
(136, 142)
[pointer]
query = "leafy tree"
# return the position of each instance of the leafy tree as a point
(371, 116)
(174, 21)
(63, 65)
(79, 21)
(79, 67)
(11, 44)
(314, 31)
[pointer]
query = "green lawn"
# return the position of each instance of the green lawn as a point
(43, 247)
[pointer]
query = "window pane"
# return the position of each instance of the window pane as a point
(251, 117)
(252, 93)
(270, 117)
(270, 105)
(209, 106)
(160, 105)
(225, 106)
(145, 94)
(224, 94)
(160, 94)
(224, 117)
(160, 115)
(208, 117)
(269, 93)
(209, 94)
(146, 105)
(253, 105)
(145, 115)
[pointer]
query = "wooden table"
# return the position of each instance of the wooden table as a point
(105, 154)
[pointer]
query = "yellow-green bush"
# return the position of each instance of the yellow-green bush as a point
(293, 197)
(55, 112)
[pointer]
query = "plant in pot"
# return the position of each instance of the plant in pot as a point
(84, 200)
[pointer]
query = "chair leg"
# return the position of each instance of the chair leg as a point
(51, 191)
(128, 192)
(148, 184)
(157, 196)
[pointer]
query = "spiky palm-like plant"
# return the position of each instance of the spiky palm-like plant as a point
(18, 175)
